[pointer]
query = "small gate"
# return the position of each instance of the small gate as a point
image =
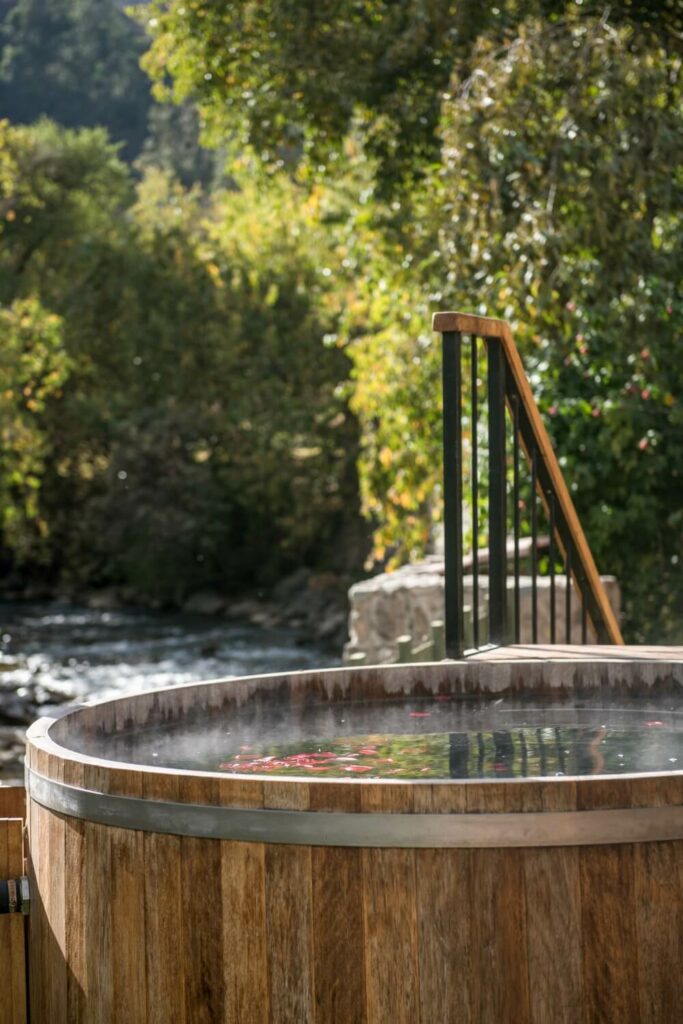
(13, 1008)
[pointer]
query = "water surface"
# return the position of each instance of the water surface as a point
(438, 738)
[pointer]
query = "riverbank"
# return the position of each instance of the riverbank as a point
(312, 603)
(54, 652)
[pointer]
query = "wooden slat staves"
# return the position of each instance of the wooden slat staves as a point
(245, 966)
(12, 956)
(164, 938)
(486, 327)
(444, 937)
(289, 918)
(127, 854)
(338, 951)
(12, 801)
(553, 903)
(390, 919)
(203, 950)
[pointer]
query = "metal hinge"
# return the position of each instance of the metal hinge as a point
(15, 895)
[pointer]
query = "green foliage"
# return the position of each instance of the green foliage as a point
(288, 80)
(521, 160)
(201, 437)
(558, 207)
(172, 145)
(33, 368)
(60, 193)
(77, 62)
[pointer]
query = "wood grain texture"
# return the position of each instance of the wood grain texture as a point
(553, 918)
(100, 949)
(12, 959)
(338, 937)
(164, 940)
(289, 924)
(444, 921)
(245, 967)
(129, 927)
(331, 935)
(39, 921)
(658, 869)
(201, 880)
(288, 907)
(128, 916)
(56, 898)
(390, 925)
(610, 937)
(500, 985)
(12, 801)
(469, 323)
(390, 918)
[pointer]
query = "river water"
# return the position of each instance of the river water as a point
(52, 653)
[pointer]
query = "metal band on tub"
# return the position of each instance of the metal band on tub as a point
(326, 828)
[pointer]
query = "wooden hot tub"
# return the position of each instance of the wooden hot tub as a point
(183, 896)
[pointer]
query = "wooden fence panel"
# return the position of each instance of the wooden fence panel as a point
(12, 801)
(12, 927)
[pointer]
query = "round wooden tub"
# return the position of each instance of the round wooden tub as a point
(169, 896)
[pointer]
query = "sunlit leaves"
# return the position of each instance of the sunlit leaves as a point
(203, 437)
(558, 207)
(33, 368)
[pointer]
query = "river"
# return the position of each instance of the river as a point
(54, 653)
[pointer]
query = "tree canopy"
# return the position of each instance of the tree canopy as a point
(199, 438)
(210, 351)
(77, 62)
(557, 206)
(288, 79)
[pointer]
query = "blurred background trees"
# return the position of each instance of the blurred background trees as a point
(232, 344)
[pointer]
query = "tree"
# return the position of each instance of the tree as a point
(77, 62)
(285, 78)
(33, 368)
(61, 192)
(558, 207)
(172, 144)
(201, 437)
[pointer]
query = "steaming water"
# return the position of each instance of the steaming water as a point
(435, 738)
(67, 652)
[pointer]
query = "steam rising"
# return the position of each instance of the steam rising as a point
(436, 737)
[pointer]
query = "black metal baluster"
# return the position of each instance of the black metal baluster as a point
(568, 597)
(481, 755)
(584, 612)
(458, 755)
(559, 748)
(452, 477)
(497, 494)
(551, 558)
(524, 754)
(475, 493)
(515, 510)
(543, 761)
(534, 550)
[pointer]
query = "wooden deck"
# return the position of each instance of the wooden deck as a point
(576, 652)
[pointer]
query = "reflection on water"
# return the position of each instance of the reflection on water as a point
(424, 739)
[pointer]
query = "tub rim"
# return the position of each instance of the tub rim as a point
(122, 794)
(345, 829)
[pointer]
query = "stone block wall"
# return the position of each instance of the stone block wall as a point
(407, 601)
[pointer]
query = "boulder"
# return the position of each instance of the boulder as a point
(205, 602)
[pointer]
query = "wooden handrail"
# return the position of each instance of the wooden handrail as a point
(550, 479)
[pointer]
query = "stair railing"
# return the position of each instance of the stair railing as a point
(517, 441)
